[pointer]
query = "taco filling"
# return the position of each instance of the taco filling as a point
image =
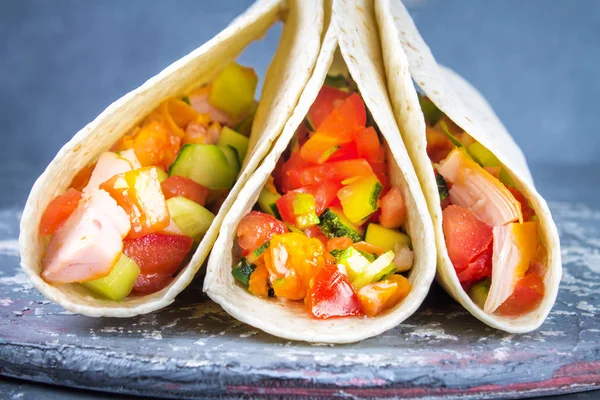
(131, 219)
(491, 231)
(327, 227)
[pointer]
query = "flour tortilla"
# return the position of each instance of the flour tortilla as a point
(285, 79)
(408, 58)
(353, 29)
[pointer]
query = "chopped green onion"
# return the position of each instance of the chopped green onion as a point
(482, 156)
(452, 138)
(186, 99)
(430, 111)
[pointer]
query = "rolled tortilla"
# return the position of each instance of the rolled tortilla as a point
(407, 58)
(353, 30)
(285, 79)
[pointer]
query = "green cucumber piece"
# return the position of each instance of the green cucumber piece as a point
(190, 217)
(354, 262)
(335, 224)
(256, 253)
(430, 111)
(378, 269)
(242, 271)
(231, 155)
(119, 283)
(266, 202)
(239, 142)
(479, 292)
(386, 238)
(204, 164)
(482, 156)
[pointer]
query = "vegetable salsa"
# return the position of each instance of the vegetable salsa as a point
(132, 218)
(491, 231)
(327, 227)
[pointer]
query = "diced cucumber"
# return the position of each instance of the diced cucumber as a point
(337, 253)
(292, 228)
(482, 156)
(304, 210)
(239, 142)
(379, 268)
(479, 292)
(162, 175)
(335, 224)
(231, 155)
(119, 283)
(266, 202)
(245, 127)
(354, 262)
(385, 238)
(233, 89)
(258, 252)
(506, 178)
(204, 164)
(359, 199)
(242, 271)
(190, 217)
(430, 111)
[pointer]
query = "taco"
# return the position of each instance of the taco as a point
(498, 247)
(126, 213)
(328, 241)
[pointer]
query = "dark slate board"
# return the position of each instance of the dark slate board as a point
(194, 349)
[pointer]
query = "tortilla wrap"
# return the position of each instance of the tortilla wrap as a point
(353, 29)
(285, 79)
(407, 58)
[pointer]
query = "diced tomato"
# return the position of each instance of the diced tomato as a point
(151, 283)
(334, 172)
(528, 294)
(139, 193)
(339, 243)
(525, 208)
(175, 186)
(317, 233)
(477, 270)
(324, 195)
(438, 144)
(257, 228)
(328, 99)
(378, 157)
(302, 134)
(345, 120)
(83, 177)
(330, 294)
(277, 174)
(294, 163)
(466, 236)
(58, 211)
(367, 143)
(158, 253)
(347, 151)
(393, 208)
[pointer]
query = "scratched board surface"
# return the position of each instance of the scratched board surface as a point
(192, 348)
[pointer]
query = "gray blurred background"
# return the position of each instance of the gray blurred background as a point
(63, 61)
